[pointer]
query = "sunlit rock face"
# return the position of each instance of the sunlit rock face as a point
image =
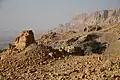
(25, 39)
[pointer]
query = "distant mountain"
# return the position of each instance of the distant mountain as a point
(4, 41)
(7, 36)
(2, 46)
(103, 17)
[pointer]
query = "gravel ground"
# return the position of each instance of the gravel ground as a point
(92, 67)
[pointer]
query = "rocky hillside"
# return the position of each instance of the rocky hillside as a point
(39, 61)
(91, 54)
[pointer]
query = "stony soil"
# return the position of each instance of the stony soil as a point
(93, 67)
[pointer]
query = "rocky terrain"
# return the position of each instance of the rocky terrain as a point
(90, 53)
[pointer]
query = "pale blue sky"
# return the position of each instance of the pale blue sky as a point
(16, 15)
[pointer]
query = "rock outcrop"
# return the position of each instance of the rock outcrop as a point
(81, 45)
(21, 42)
(25, 39)
(92, 28)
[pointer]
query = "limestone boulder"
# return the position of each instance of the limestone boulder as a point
(25, 39)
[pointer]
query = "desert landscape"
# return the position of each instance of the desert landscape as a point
(86, 48)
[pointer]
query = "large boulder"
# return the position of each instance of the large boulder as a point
(83, 45)
(89, 44)
(25, 39)
(88, 37)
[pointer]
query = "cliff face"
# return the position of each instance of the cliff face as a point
(101, 18)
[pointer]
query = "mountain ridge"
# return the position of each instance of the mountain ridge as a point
(102, 18)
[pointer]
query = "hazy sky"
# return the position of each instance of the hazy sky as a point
(16, 15)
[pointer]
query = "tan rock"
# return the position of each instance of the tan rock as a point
(25, 39)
